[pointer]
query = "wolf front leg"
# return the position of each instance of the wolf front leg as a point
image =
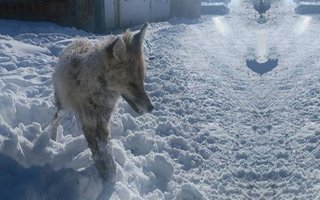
(55, 124)
(97, 135)
(57, 117)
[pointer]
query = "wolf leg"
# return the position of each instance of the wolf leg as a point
(104, 161)
(55, 124)
(97, 135)
(57, 117)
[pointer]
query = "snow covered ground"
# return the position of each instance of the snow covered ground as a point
(219, 130)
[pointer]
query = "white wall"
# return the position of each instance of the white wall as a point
(134, 12)
(186, 8)
(125, 13)
(160, 10)
(110, 12)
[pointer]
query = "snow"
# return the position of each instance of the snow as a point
(218, 131)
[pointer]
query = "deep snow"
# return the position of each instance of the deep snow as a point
(219, 130)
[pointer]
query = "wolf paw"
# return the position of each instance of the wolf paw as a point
(105, 163)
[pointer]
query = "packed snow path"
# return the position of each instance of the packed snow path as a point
(219, 130)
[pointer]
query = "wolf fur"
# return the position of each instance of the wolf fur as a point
(89, 80)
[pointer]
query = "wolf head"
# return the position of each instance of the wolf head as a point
(126, 71)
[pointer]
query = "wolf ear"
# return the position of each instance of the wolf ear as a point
(117, 49)
(137, 39)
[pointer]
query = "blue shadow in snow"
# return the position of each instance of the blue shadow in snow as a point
(308, 8)
(17, 182)
(220, 9)
(261, 6)
(261, 68)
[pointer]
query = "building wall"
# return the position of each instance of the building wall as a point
(37, 10)
(186, 8)
(77, 13)
(98, 15)
(111, 14)
(82, 14)
(159, 10)
(133, 12)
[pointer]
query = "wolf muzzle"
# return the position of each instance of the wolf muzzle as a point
(140, 105)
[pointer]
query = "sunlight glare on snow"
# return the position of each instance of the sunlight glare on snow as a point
(221, 26)
(262, 46)
(302, 24)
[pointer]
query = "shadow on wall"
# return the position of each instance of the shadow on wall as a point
(261, 68)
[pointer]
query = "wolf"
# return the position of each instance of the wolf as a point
(90, 78)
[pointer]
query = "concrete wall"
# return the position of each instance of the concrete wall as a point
(133, 12)
(53, 10)
(98, 15)
(82, 14)
(77, 13)
(124, 13)
(186, 8)
(111, 14)
(159, 10)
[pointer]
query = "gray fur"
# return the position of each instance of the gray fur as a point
(89, 80)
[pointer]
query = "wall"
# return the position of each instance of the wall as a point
(111, 14)
(82, 14)
(77, 13)
(53, 10)
(133, 12)
(159, 10)
(186, 8)
(98, 15)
